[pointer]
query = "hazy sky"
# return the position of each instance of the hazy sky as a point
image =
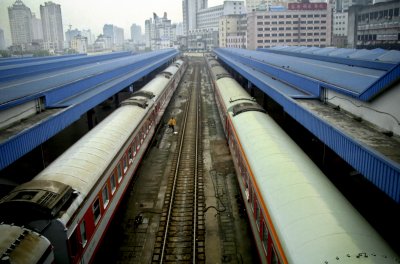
(93, 14)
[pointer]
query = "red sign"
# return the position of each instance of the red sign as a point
(307, 6)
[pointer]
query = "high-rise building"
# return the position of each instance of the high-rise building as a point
(87, 33)
(53, 33)
(2, 40)
(158, 32)
(190, 9)
(115, 33)
(37, 30)
(136, 34)
(20, 17)
(70, 34)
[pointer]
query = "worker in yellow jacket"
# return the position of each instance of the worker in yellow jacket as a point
(172, 123)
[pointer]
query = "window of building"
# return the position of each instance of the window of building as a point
(260, 17)
(259, 41)
(281, 22)
(259, 23)
(281, 40)
(288, 28)
(303, 16)
(259, 35)
(295, 16)
(288, 22)
(309, 28)
(309, 22)
(323, 15)
(267, 23)
(266, 35)
(396, 12)
(281, 28)
(96, 211)
(105, 196)
(316, 15)
(288, 34)
(288, 16)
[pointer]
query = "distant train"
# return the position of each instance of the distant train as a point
(296, 214)
(71, 202)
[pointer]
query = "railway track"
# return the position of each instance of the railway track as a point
(180, 237)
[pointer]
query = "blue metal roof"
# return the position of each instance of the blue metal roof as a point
(19, 60)
(72, 80)
(77, 96)
(377, 168)
(363, 82)
(22, 70)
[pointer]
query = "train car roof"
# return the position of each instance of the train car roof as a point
(316, 223)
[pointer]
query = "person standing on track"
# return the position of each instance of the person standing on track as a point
(172, 123)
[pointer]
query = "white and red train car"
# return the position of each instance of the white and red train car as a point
(297, 215)
(73, 200)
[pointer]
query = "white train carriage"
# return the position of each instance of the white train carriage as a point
(72, 201)
(296, 214)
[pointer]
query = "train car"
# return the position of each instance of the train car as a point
(19, 245)
(297, 215)
(72, 201)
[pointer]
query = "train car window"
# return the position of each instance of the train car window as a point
(134, 147)
(130, 154)
(96, 210)
(125, 163)
(119, 171)
(83, 233)
(274, 257)
(73, 244)
(265, 237)
(105, 196)
(113, 183)
(251, 199)
(258, 214)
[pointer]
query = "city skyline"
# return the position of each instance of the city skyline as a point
(119, 12)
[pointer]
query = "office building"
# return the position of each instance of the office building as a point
(374, 26)
(232, 31)
(301, 24)
(53, 33)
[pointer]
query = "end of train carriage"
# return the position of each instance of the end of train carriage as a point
(35, 200)
(21, 245)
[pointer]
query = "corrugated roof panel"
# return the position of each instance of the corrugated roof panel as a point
(390, 56)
